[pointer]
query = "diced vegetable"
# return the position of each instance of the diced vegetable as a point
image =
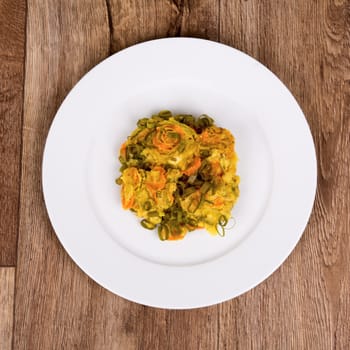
(178, 173)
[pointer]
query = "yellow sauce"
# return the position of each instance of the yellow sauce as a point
(179, 174)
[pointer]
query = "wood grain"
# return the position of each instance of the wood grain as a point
(12, 35)
(136, 21)
(305, 304)
(50, 288)
(302, 305)
(7, 290)
(52, 306)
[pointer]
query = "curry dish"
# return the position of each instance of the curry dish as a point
(178, 173)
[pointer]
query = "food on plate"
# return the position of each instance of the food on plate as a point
(178, 173)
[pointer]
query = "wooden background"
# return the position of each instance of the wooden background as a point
(46, 301)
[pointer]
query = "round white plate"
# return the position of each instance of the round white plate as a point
(277, 167)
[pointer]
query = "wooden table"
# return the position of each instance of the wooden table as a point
(46, 301)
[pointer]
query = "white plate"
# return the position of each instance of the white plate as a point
(277, 168)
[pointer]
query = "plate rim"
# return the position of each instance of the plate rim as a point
(45, 155)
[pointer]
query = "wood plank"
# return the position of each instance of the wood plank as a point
(239, 25)
(303, 305)
(50, 287)
(136, 21)
(12, 37)
(7, 290)
(53, 297)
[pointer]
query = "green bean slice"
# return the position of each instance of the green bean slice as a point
(223, 220)
(165, 114)
(220, 230)
(163, 232)
(148, 225)
(205, 187)
(142, 123)
(147, 205)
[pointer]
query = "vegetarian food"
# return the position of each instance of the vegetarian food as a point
(178, 173)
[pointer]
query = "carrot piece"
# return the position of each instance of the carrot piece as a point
(127, 201)
(162, 142)
(132, 176)
(218, 202)
(157, 179)
(216, 168)
(195, 165)
(176, 238)
(122, 151)
(160, 145)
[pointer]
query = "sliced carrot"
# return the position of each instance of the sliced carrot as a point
(161, 145)
(135, 176)
(179, 129)
(209, 137)
(177, 237)
(195, 165)
(122, 151)
(132, 176)
(157, 180)
(216, 168)
(160, 139)
(218, 202)
(127, 200)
